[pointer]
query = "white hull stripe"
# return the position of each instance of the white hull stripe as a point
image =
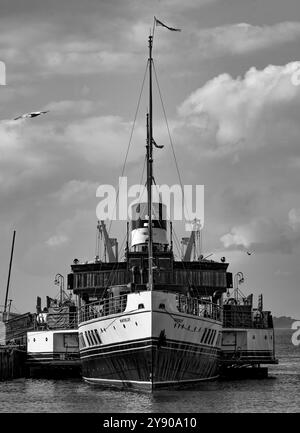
(94, 379)
(124, 343)
(113, 317)
(202, 353)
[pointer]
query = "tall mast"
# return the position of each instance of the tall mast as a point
(149, 171)
(9, 271)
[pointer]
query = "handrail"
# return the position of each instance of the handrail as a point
(68, 320)
(199, 307)
(104, 307)
(114, 305)
(237, 319)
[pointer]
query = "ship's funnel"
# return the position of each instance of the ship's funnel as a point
(139, 226)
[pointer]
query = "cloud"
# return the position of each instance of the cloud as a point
(264, 234)
(103, 139)
(75, 192)
(294, 219)
(57, 240)
(47, 50)
(78, 108)
(81, 59)
(243, 38)
(245, 112)
(36, 149)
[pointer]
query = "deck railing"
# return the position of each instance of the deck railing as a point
(102, 308)
(199, 307)
(237, 319)
(56, 321)
(105, 307)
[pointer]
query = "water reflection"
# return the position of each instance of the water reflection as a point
(279, 393)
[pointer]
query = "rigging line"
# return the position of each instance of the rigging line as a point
(170, 138)
(129, 143)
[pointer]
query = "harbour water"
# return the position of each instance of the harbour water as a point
(279, 393)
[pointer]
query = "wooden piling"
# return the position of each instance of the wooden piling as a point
(12, 362)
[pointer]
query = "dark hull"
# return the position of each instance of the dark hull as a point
(147, 365)
(53, 365)
(248, 356)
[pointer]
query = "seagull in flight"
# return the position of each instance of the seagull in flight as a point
(250, 252)
(32, 114)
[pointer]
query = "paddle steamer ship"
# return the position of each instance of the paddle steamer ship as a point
(150, 320)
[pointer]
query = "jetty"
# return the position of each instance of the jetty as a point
(13, 336)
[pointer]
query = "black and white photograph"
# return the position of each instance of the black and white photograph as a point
(149, 210)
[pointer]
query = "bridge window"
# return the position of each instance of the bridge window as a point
(141, 306)
(162, 306)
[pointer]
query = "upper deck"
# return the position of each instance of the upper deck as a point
(204, 276)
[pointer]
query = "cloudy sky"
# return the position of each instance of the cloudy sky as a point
(229, 82)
